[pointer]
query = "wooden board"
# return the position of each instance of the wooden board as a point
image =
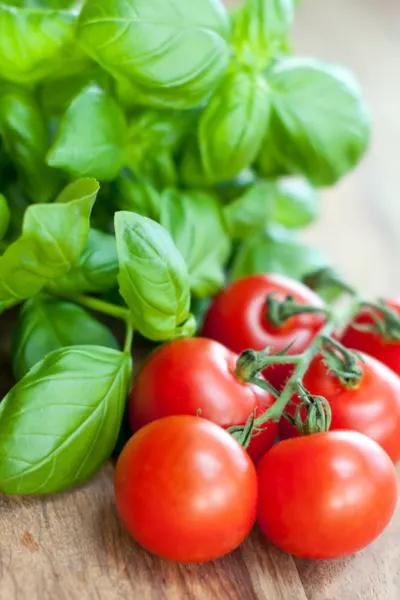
(72, 547)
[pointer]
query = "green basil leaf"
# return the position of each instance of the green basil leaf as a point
(193, 218)
(52, 240)
(233, 188)
(191, 169)
(37, 44)
(252, 211)
(296, 202)
(91, 137)
(176, 50)
(153, 278)
(319, 124)
(233, 124)
(276, 250)
(24, 134)
(5, 216)
(138, 196)
(260, 29)
(96, 270)
(46, 324)
(59, 424)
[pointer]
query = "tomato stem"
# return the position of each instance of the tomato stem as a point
(279, 311)
(386, 321)
(327, 277)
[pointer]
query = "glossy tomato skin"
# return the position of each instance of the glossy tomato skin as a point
(372, 343)
(373, 408)
(325, 495)
(185, 489)
(196, 376)
(237, 319)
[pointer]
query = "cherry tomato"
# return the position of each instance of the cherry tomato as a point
(373, 343)
(196, 376)
(185, 489)
(325, 495)
(373, 408)
(237, 318)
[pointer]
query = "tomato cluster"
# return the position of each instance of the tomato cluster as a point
(204, 462)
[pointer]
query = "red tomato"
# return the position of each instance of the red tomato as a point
(373, 408)
(237, 318)
(372, 343)
(196, 376)
(325, 495)
(185, 489)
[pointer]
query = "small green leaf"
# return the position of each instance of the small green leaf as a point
(52, 240)
(5, 216)
(153, 278)
(46, 324)
(91, 137)
(96, 270)
(193, 218)
(24, 133)
(138, 196)
(260, 30)
(59, 424)
(277, 250)
(319, 124)
(252, 211)
(38, 44)
(176, 51)
(296, 202)
(233, 124)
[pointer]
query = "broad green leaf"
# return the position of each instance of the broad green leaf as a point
(260, 30)
(319, 124)
(38, 44)
(296, 202)
(191, 169)
(4, 216)
(52, 240)
(176, 51)
(153, 278)
(91, 137)
(46, 324)
(195, 222)
(276, 250)
(59, 424)
(138, 196)
(24, 134)
(233, 188)
(96, 270)
(233, 124)
(252, 211)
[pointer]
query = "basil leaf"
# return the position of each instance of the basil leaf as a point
(96, 270)
(176, 50)
(252, 211)
(52, 240)
(38, 44)
(138, 196)
(91, 136)
(319, 124)
(233, 124)
(191, 169)
(296, 202)
(153, 278)
(276, 250)
(60, 423)
(193, 219)
(46, 324)
(5, 216)
(260, 29)
(24, 135)
(233, 188)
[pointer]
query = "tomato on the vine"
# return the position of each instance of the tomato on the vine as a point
(325, 495)
(372, 342)
(372, 408)
(196, 376)
(238, 319)
(185, 489)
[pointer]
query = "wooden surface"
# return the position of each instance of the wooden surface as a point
(72, 547)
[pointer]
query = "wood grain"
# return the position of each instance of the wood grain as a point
(72, 547)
